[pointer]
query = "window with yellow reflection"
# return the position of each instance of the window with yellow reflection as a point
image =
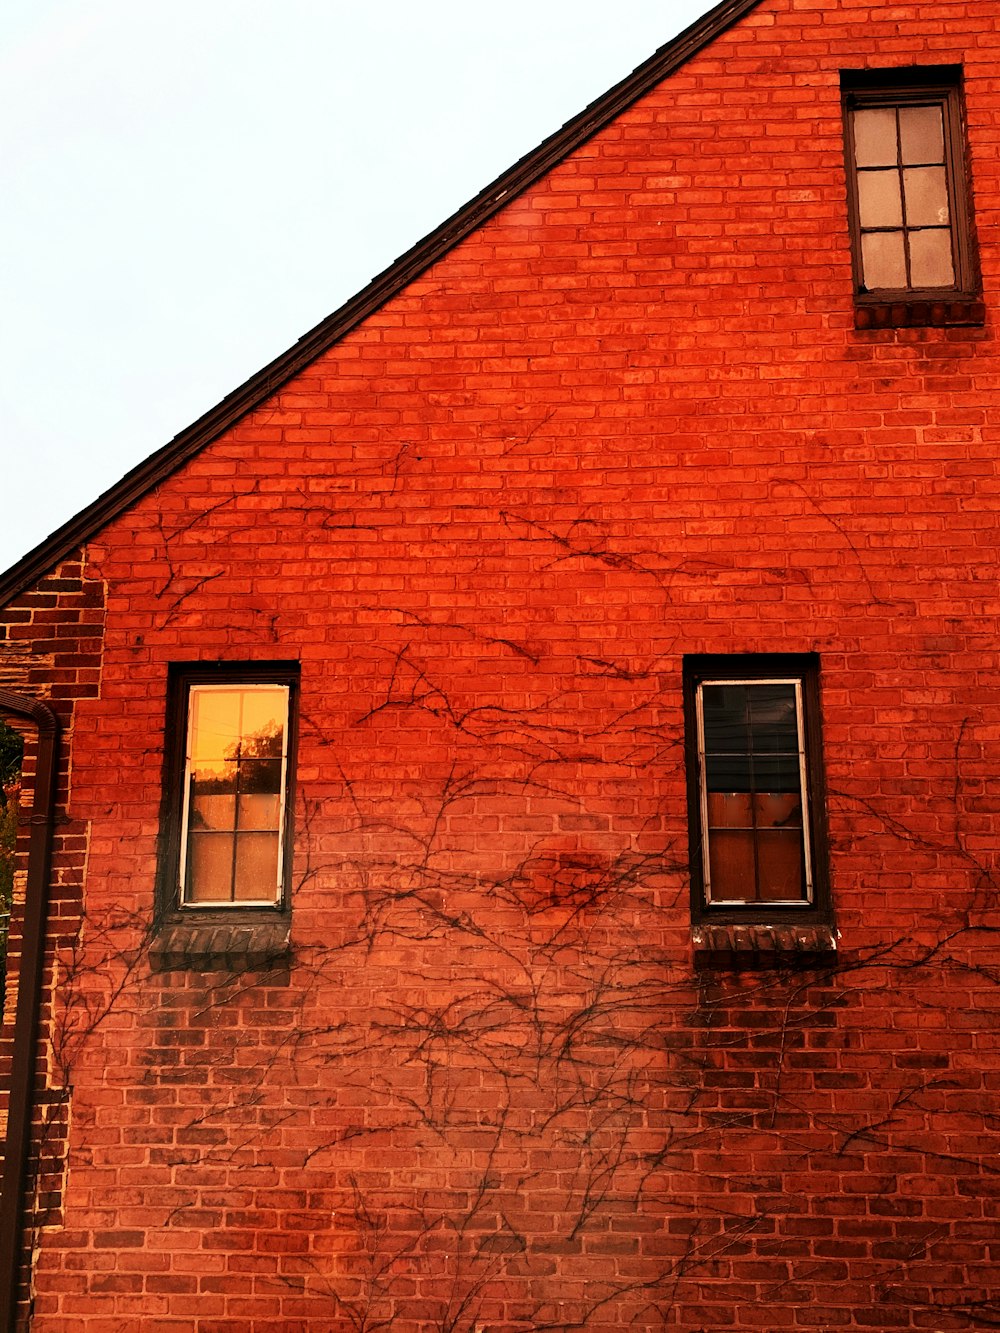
(235, 775)
(229, 780)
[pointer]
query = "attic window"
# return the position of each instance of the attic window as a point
(908, 196)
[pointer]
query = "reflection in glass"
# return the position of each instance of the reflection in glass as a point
(233, 807)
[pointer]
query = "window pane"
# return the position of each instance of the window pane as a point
(779, 864)
(930, 259)
(882, 260)
(773, 720)
(260, 775)
(728, 772)
(730, 810)
(875, 136)
(211, 812)
(778, 809)
(727, 718)
(259, 811)
(731, 866)
(263, 722)
(209, 868)
(215, 723)
(921, 134)
(879, 202)
(776, 772)
(256, 867)
(926, 192)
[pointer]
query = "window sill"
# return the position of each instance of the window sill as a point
(215, 946)
(756, 946)
(919, 314)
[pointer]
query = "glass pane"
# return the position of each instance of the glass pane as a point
(879, 203)
(930, 259)
(926, 193)
(260, 775)
(263, 721)
(215, 723)
(731, 872)
(728, 772)
(209, 868)
(259, 811)
(882, 262)
(778, 809)
(256, 867)
(727, 717)
(921, 134)
(730, 810)
(773, 720)
(875, 136)
(776, 772)
(779, 860)
(211, 812)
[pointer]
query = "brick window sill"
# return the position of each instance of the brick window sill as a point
(919, 314)
(215, 946)
(756, 946)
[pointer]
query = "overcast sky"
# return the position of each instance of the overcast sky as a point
(190, 185)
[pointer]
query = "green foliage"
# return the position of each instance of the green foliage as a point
(11, 754)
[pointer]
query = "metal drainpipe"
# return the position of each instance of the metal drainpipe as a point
(29, 995)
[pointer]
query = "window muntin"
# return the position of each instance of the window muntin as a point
(753, 792)
(235, 781)
(908, 196)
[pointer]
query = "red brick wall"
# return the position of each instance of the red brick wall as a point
(50, 650)
(629, 419)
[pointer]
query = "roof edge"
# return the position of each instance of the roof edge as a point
(159, 465)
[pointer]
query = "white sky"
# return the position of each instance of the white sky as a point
(190, 185)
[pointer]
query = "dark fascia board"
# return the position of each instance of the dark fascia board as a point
(158, 466)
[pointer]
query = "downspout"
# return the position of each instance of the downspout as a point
(29, 996)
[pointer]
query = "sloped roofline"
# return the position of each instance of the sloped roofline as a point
(159, 465)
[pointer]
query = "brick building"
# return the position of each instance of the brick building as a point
(523, 849)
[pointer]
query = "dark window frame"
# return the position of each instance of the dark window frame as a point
(909, 86)
(704, 669)
(182, 676)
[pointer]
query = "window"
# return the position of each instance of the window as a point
(755, 788)
(229, 770)
(908, 190)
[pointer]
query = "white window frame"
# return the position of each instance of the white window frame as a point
(741, 903)
(230, 685)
